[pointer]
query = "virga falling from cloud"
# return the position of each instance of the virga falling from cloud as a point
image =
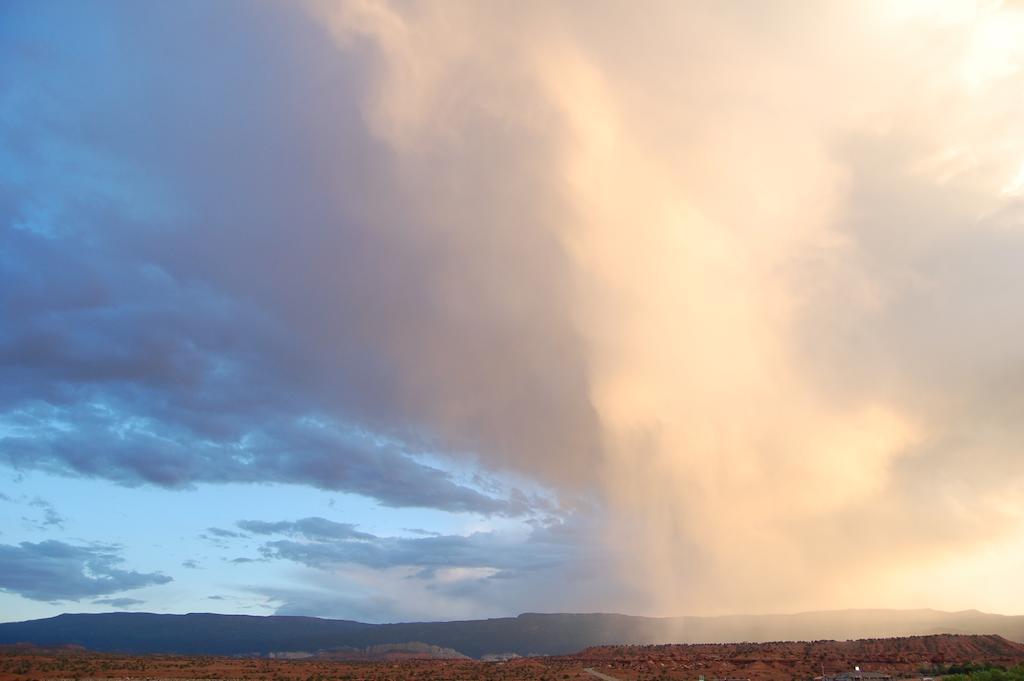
(748, 199)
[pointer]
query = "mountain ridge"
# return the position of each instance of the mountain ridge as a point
(524, 634)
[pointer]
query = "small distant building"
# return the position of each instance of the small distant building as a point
(858, 675)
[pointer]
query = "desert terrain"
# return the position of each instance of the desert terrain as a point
(898, 657)
(909, 657)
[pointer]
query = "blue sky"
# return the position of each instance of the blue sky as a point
(400, 310)
(168, 533)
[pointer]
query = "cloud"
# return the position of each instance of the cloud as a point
(740, 280)
(51, 518)
(118, 602)
(477, 550)
(221, 533)
(56, 571)
(191, 564)
(793, 307)
(139, 362)
(377, 578)
(420, 531)
(315, 529)
(324, 457)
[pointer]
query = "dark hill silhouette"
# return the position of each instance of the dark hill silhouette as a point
(538, 634)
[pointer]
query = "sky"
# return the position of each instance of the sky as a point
(408, 310)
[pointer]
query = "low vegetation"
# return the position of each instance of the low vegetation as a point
(984, 673)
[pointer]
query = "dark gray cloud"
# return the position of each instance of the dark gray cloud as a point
(57, 571)
(232, 292)
(299, 452)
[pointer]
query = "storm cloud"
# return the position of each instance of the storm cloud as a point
(542, 264)
(221, 302)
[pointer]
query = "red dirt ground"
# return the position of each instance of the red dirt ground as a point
(800, 660)
(756, 662)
